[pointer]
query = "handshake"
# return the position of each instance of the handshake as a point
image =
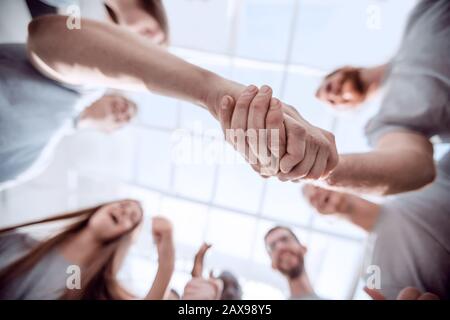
(274, 138)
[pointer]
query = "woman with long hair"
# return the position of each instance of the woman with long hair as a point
(96, 244)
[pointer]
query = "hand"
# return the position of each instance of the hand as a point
(197, 269)
(302, 151)
(326, 201)
(254, 126)
(109, 113)
(408, 293)
(162, 232)
(346, 86)
(203, 289)
(310, 153)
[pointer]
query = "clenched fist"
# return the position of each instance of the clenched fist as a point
(274, 135)
(203, 289)
(326, 201)
(350, 86)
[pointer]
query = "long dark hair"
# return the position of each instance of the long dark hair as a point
(99, 278)
(156, 9)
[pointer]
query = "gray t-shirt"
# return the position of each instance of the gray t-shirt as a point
(412, 239)
(45, 281)
(33, 109)
(418, 86)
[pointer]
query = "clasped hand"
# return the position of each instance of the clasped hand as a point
(274, 138)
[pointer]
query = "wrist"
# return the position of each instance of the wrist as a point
(166, 255)
(334, 179)
(215, 89)
(372, 77)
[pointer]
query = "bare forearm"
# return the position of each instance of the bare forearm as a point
(162, 280)
(374, 77)
(383, 172)
(103, 54)
(359, 211)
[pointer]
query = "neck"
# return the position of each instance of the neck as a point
(300, 286)
(80, 248)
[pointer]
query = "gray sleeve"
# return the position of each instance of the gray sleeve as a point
(417, 103)
(61, 3)
(13, 246)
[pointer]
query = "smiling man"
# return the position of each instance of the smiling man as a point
(287, 255)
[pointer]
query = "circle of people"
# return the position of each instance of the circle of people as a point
(126, 50)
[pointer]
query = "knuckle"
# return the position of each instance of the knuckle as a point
(299, 130)
(259, 105)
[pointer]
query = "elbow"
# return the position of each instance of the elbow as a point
(36, 30)
(42, 32)
(426, 172)
(417, 178)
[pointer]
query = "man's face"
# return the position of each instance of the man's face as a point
(285, 252)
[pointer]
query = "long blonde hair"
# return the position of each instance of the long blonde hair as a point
(98, 279)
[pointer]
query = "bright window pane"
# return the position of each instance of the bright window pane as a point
(264, 29)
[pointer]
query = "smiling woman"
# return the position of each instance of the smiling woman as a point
(97, 243)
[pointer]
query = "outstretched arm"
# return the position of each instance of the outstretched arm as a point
(105, 55)
(402, 161)
(357, 210)
(163, 237)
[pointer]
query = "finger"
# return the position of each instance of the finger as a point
(334, 202)
(240, 114)
(374, 294)
(218, 286)
(256, 167)
(323, 201)
(409, 293)
(306, 190)
(276, 139)
(303, 168)
(428, 296)
(239, 123)
(226, 113)
(319, 165)
(295, 145)
(259, 107)
(276, 130)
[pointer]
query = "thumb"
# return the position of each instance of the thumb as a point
(374, 294)
(218, 283)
